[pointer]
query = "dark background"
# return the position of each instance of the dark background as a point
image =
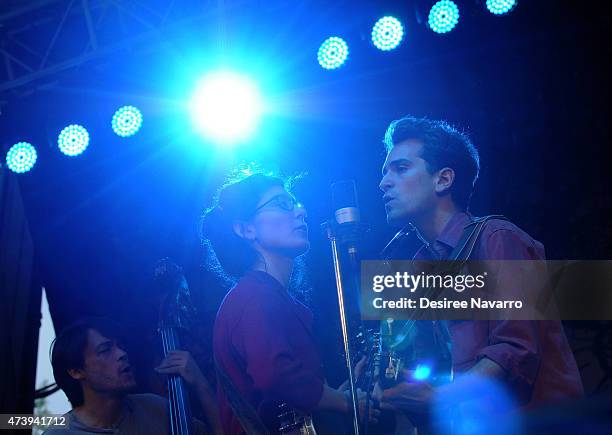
(531, 89)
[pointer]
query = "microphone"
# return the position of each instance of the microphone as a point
(347, 217)
(344, 201)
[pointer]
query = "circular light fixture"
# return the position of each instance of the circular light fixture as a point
(443, 16)
(387, 33)
(73, 140)
(127, 121)
(500, 7)
(333, 52)
(21, 157)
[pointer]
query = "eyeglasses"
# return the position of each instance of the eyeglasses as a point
(284, 202)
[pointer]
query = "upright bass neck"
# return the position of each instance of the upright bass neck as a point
(176, 313)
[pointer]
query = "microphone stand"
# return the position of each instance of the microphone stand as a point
(345, 235)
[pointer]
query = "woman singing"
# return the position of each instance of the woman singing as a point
(263, 340)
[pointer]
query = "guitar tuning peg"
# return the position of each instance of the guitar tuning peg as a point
(390, 325)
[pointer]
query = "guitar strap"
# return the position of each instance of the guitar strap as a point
(471, 233)
(242, 409)
(458, 258)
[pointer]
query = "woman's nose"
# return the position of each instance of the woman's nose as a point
(300, 211)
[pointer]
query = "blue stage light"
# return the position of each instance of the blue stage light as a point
(226, 107)
(421, 372)
(387, 33)
(21, 157)
(333, 52)
(73, 140)
(500, 7)
(443, 16)
(127, 121)
(480, 400)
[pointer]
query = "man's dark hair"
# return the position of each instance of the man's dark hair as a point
(443, 146)
(68, 352)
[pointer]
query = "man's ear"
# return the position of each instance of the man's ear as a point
(77, 374)
(444, 180)
(244, 230)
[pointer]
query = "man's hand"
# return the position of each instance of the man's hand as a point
(361, 397)
(411, 396)
(180, 362)
(359, 367)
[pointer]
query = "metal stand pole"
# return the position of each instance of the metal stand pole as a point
(344, 326)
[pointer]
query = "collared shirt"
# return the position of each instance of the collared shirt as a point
(536, 356)
(263, 342)
(145, 414)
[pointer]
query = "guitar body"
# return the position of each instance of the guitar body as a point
(293, 422)
(308, 427)
(321, 422)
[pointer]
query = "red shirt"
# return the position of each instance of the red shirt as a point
(263, 341)
(535, 354)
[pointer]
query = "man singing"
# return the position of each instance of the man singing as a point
(427, 179)
(91, 366)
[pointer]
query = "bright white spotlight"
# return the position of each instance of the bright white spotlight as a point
(226, 107)
(21, 157)
(73, 140)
